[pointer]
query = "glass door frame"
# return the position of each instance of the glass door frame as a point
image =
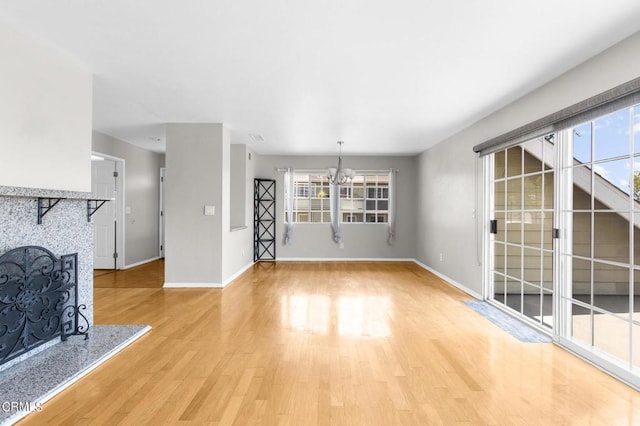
(488, 165)
(563, 334)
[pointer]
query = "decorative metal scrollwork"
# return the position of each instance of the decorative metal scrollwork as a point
(38, 300)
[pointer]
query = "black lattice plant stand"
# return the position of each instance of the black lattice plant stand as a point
(264, 216)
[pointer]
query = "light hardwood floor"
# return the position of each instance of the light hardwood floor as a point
(150, 275)
(329, 343)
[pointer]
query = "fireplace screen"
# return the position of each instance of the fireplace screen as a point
(38, 300)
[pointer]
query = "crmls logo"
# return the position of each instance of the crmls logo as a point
(17, 406)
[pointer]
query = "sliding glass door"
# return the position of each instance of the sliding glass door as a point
(564, 247)
(601, 254)
(522, 213)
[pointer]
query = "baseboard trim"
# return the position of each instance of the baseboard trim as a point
(210, 285)
(133, 265)
(448, 280)
(237, 274)
(342, 259)
(192, 285)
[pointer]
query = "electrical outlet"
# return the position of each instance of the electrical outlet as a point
(341, 244)
(242, 252)
(441, 257)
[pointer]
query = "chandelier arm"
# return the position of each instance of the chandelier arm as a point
(340, 177)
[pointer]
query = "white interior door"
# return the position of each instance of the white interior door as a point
(161, 218)
(103, 186)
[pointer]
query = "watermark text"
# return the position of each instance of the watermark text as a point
(20, 406)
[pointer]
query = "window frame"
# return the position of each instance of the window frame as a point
(370, 182)
(378, 181)
(306, 191)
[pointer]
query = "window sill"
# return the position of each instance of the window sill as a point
(341, 223)
(237, 228)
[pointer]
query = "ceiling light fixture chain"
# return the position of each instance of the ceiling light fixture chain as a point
(338, 175)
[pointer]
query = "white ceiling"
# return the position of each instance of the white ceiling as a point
(385, 77)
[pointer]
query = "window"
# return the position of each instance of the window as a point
(365, 200)
(311, 199)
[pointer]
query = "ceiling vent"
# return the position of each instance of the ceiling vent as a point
(256, 138)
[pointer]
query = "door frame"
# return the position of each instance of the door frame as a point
(488, 257)
(487, 250)
(120, 201)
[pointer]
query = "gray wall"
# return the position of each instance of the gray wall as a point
(446, 203)
(195, 178)
(142, 192)
(446, 172)
(364, 241)
(238, 195)
(238, 244)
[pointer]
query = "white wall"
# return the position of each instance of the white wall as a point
(142, 192)
(45, 117)
(363, 241)
(446, 172)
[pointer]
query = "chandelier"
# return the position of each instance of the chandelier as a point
(340, 176)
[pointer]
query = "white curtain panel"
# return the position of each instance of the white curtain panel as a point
(334, 195)
(392, 205)
(288, 189)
